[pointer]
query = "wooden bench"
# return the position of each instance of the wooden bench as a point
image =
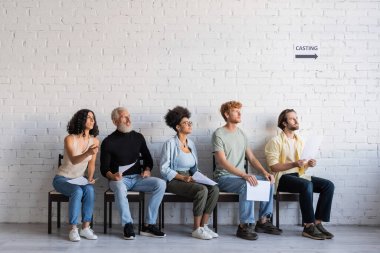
(173, 198)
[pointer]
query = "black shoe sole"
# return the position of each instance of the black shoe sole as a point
(312, 237)
(151, 235)
(250, 238)
(271, 232)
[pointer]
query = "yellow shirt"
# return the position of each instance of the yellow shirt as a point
(277, 150)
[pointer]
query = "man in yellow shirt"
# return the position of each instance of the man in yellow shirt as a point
(283, 154)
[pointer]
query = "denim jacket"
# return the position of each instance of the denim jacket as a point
(169, 158)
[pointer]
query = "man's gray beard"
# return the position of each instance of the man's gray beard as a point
(124, 128)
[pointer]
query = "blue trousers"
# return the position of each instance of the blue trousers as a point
(77, 194)
(153, 186)
(246, 207)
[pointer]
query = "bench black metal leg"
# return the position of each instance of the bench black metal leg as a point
(163, 215)
(105, 216)
(58, 214)
(110, 215)
(277, 213)
(141, 210)
(49, 214)
(215, 218)
(160, 217)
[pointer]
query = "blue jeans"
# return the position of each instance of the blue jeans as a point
(155, 188)
(77, 194)
(246, 207)
(293, 183)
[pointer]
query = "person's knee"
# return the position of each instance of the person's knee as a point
(160, 185)
(77, 193)
(202, 193)
(89, 191)
(307, 187)
(330, 186)
(117, 186)
(215, 190)
(243, 188)
(271, 189)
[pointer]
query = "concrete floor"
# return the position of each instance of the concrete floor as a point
(34, 238)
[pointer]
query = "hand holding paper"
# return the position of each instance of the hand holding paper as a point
(311, 163)
(259, 192)
(124, 168)
(78, 181)
(92, 181)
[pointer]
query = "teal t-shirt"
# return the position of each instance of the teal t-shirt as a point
(233, 144)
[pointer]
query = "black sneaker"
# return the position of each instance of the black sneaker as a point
(268, 228)
(313, 233)
(152, 230)
(246, 232)
(129, 234)
(326, 233)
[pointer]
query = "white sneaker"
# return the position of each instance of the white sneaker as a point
(200, 233)
(88, 233)
(210, 232)
(73, 235)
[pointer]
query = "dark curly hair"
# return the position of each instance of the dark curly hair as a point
(77, 123)
(174, 116)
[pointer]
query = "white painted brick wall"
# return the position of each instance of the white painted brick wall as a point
(57, 57)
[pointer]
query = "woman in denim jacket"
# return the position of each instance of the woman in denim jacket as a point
(178, 163)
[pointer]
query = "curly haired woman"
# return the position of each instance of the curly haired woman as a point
(80, 151)
(179, 162)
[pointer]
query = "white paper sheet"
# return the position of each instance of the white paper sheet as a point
(124, 168)
(311, 147)
(260, 192)
(78, 181)
(202, 179)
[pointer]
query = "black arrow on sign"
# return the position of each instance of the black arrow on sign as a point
(315, 56)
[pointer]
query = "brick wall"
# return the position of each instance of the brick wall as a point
(57, 57)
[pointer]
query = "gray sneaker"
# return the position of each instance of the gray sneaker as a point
(326, 233)
(246, 232)
(313, 233)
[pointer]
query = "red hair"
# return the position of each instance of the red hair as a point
(226, 107)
